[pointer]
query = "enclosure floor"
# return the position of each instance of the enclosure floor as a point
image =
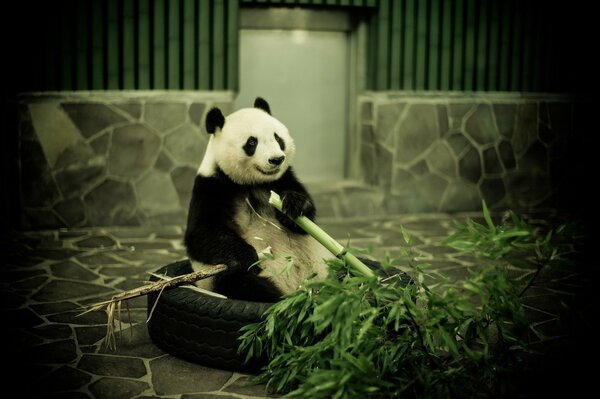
(51, 351)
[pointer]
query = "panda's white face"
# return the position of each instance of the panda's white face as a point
(252, 147)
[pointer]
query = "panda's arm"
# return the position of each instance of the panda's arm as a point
(296, 201)
(210, 237)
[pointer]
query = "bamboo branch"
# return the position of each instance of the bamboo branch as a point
(325, 239)
(114, 304)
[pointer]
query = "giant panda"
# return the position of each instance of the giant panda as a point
(230, 221)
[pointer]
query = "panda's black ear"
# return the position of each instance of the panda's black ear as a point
(214, 120)
(260, 103)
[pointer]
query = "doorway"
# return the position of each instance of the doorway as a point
(303, 73)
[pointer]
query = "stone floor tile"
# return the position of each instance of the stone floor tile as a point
(117, 388)
(96, 242)
(71, 270)
(114, 366)
(65, 378)
(171, 375)
(59, 290)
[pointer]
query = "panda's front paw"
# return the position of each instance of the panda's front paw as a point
(296, 204)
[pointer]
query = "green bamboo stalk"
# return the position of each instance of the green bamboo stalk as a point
(325, 239)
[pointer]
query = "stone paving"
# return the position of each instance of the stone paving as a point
(48, 276)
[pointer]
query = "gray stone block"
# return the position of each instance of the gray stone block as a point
(526, 130)
(505, 118)
(458, 142)
(78, 178)
(111, 203)
(196, 113)
(37, 184)
(156, 193)
(183, 180)
(416, 132)
(164, 116)
(386, 120)
(133, 109)
(441, 160)
(469, 165)
(461, 196)
(507, 155)
(480, 125)
(491, 161)
(100, 143)
(91, 118)
(163, 162)
(134, 150)
(186, 145)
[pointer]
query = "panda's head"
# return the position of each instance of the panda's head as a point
(250, 146)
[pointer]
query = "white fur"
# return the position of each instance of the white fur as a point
(225, 148)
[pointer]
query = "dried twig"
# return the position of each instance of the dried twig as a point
(165, 282)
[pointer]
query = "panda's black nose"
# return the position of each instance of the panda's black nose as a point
(276, 160)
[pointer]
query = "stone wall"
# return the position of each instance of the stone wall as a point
(129, 158)
(448, 152)
(102, 158)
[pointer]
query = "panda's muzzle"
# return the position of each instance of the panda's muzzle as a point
(276, 160)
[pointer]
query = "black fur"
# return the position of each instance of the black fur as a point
(250, 146)
(280, 141)
(212, 235)
(214, 120)
(261, 103)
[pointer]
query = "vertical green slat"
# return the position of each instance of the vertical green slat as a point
(128, 46)
(395, 46)
(383, 56)
(66, 37)
(112, 45)
(188, 44)
(458, 50)
(516, 67)
(409, 45)
(144, 43)
(493, 46)
(80, 38)
(482, 46)
(204, 52)
(536, 65)
(504, 62)
(50, 53)
(218, 44)
(372, 52)
(447, 44)
(232, 45)
(421, 45)
(97, 46)
(469, 50)
(527, 49)
(432, 82)
(173, 51)
(159, 60)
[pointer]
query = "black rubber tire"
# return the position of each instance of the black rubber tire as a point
(204, 329)
(201, 328)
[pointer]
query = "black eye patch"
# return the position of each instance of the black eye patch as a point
(280, 142)
(250, 146)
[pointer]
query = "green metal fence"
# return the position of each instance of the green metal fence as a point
(455, 45)
(134, 44)
(471, 45)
